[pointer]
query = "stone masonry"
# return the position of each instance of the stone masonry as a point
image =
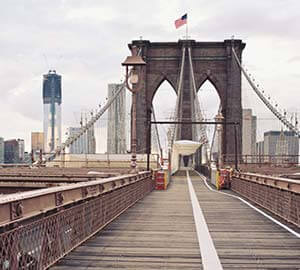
(212, 61)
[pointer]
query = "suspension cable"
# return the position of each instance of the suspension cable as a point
(199, 115)
(178, 100)
(88, 125)
(273, 109)
(84, 129)
(156, 131)
(214, 137)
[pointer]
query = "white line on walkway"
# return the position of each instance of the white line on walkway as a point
(210, 259)
(253, 207)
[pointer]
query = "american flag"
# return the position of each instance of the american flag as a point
(181, 21)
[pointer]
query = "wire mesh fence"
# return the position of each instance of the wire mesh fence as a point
(40, 244)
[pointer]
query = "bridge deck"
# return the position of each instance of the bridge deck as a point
(159, 233)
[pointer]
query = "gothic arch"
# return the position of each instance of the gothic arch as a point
(203, 77)
(158, 82)
(212, 61)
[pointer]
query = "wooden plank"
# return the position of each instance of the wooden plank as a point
(156, 233)
(159, 233)
(245, 239)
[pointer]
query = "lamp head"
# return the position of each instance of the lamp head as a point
(219, 117)
(134, 61)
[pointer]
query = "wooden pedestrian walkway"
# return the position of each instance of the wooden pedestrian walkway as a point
(159, 232)
(245, 239)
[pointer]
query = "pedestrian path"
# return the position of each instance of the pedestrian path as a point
(159, 232)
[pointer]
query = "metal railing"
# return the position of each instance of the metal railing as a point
(281, 196)
(263, 159)
(39, 244)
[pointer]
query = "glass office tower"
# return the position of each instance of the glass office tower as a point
(1, 150)
(52, 110)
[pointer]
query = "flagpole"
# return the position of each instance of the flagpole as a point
(186, 29)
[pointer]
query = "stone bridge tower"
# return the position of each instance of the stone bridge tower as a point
(212, 61)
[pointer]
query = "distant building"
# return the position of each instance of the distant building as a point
(11, 151)
(281, 143)
(14, 151)
(260, 149)
(21, 151)
(37, 144)
(116, 128)
(91, 140)
(78, 146)
(1, 150)
(52, 98)
(27, 158)
(86, 144)
(249, 132)
(281, 148)
(37, 141)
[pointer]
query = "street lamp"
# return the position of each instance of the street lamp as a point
(135, 62)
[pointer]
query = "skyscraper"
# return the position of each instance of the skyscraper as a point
(37, 144)
(11, 151)
(249, 132)
(21, 150)
(1, 150)
(37, 141)
(281, 143)
(116, 135)
(52, 110)
(14, 151)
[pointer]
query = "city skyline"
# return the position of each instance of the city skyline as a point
(80, 50)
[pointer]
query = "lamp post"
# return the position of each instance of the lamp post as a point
(135, 62)
(219, 118)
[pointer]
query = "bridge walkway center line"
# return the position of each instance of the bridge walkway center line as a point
(210, 259)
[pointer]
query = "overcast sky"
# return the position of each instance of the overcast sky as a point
(85, 41)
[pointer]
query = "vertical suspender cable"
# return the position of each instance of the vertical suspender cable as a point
(276, 112)
(198, 112)
(178, 100)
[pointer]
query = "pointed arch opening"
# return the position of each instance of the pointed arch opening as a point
(163, 104)
(210, 103)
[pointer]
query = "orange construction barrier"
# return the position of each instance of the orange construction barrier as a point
(160, 180)
(224, 179)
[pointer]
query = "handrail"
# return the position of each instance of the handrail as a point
(40, 242)
(21, 206)
(278, 195)
(272, 181)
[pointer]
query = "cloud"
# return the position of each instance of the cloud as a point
(85, 41)
(294, 59)
(273, 19)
